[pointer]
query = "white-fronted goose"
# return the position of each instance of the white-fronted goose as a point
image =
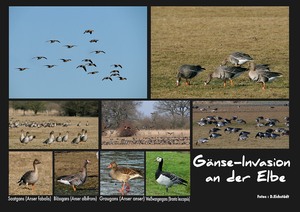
(167, 179)
(51, 138)
(188, 72)
(123, 175)
(40, 57)
(90, 31)
(77, 179)
(262, 75)
(225, 73)
(30, 177)
(237, 58)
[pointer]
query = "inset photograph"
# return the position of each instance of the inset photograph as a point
(76, 173)
(145, 124)
(240, 124)
(122, 173)
(30, 173)
(76, 54)
(168, 173)
(220, 52)
(53, 124)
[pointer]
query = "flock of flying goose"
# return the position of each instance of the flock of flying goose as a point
(260, 73)
(114, 74)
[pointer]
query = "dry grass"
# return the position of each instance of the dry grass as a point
(148, 139)
(249, 114)
(21, 162)
(205, 36)
(43, 132)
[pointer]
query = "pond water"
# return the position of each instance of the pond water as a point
(130, 159)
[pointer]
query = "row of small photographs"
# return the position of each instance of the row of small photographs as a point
(161, 124)
(107, 173)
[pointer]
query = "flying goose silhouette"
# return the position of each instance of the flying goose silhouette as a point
(87, 60)
(70, 46)
(117, 65)
(39, 57)
(50, 66)
(94, 41)
(66, 60)
(122, 78)
(22, 69)
(93, 72)
(53, 41)
(88, 31)
(98, 52)
(82, 66)
(107, 78)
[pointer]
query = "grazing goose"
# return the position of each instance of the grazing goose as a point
(188, 72)
(51, 138)
(30, 177)
(82, 66)
(98, 52)
(53, 41)
(77, 179)
(167, 179)
(76, 140)
(215, 135)
(262, 75)
(225, 73)
(243, 137)
(40, 57)
(123, 175)
(237, 58)
(22, 69)
(201, 140)
(88, 31)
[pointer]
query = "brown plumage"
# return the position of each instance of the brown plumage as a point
(30, 177)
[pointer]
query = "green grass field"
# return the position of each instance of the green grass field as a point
(177, 163)
(205, 36)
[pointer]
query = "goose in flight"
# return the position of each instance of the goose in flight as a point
(88, 31)
(66, 60)
(40, 57)
(93, 72)
(82, 66)
(91, 64)
(87, 60)
(122, 78)
(107, 78)
(50, 66)
(94, 41)
(53, 41)
(98, 52)
(115, 71)
(70, 46)
(22, 69)
(117, 65)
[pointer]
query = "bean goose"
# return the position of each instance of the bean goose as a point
(167, 179)
(188, 72)
(123, 175)
(51, 138)
(225, 73)
(30, 177)
(77, 179)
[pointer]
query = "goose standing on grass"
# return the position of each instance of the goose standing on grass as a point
(65, 137)
(237, 58)
(77, 179)
(30, 177)
(262, 74)
(123, 174)
(22, 136)
(51, 138)
(225, 73)
(188, 72)
(76, 140)
(26, 138)
(84, 136)
(167, 179)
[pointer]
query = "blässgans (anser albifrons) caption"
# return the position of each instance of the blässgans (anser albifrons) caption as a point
(188, 72)
(237, 58)
(262, 75)
(30, 177)
(225, 73)
(167, 179)
(123, 175)
(77, 179)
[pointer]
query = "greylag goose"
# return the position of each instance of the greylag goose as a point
(188, 72)
(123, 175)
(77, 179)
(167, 179)
(225, 73)
(262, 74)
(30, 177)
(76, 140)
(87, 60)
(51, 138)
(237, 58)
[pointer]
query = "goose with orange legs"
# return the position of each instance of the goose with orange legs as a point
(30, 177)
